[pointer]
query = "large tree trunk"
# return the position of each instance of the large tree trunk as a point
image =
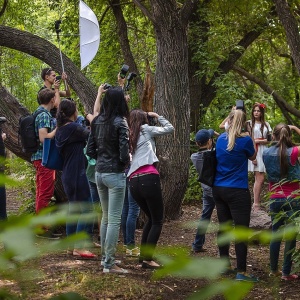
(172, 100)
(290, 25)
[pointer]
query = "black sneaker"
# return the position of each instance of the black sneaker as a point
(47, 235)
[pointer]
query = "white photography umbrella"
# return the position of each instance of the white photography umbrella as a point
(89, 34)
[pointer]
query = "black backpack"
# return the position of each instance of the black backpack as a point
(29, 140)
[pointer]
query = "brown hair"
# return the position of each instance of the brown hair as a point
(262, 119)
(283, 137)
(45, 96)
(137, 118)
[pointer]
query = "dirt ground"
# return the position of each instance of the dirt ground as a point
(62, 273)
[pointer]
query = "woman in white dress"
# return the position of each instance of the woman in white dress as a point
(259, 129)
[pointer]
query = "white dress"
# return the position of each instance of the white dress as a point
(259, 167)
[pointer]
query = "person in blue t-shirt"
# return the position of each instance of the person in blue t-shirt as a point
(230, 190)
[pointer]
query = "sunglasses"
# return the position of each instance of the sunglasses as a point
(48, 71)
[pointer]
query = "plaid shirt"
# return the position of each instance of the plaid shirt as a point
(43, 120)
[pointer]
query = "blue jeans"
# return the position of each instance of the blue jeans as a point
(130, 214)
(234, 206)
(207, 210)
(94, 200)
(289, 209)
(111, 188)
(78, 207)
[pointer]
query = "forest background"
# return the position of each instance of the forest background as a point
(193, 59)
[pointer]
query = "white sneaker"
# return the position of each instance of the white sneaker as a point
(117, 262)
(113, 270)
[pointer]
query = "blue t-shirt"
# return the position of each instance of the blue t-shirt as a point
(232, 166)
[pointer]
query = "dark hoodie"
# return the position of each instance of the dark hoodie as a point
(70, 140)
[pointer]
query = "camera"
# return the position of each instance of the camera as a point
(124, 71)
(58, 77)
(151, 120)
(107, 86)
(239, 104)
(130, 77)
(2, 120)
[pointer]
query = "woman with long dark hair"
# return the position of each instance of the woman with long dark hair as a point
(258, 129)
(230, 190)
(70, 140)
(283, 172)
(109, 144)
(144, 181)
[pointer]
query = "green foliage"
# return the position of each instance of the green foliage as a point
(24, 174)
(193, 191)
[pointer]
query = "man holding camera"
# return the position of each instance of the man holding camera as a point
(51, 81)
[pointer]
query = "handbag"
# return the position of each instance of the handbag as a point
(51, 159)
(207, 171)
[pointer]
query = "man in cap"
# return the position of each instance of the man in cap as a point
(204, 140)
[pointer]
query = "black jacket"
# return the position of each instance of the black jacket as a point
(109, 144)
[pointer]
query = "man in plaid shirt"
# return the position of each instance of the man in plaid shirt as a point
(44, 128)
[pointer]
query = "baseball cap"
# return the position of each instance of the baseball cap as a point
(203, 135)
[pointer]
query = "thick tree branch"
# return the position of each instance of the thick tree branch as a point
(284, 106)
(45, 51)
(125, 45)
(2, 11)
(290, 25)
(226, 65)
(187, 9)
(144, 10)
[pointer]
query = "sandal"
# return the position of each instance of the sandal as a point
(84, 254)
(289, 277)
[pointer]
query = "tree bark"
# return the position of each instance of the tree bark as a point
(125, 46)
(42, 49)
(282, 104)
(172, 98)
(291, 28)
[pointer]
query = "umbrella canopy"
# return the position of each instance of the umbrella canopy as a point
(89, 34)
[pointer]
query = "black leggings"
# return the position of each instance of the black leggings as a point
(233, 205)
(146, 191)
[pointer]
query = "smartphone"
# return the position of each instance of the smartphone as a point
(58, 77)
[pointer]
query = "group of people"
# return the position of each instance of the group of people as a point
(118, 140)
(122, 174)
(242, 148)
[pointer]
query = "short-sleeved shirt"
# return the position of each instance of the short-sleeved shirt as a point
(43, 120)
(232, 166)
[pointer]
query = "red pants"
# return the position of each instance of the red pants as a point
(44, 180)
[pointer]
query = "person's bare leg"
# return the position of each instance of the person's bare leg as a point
(257, 187)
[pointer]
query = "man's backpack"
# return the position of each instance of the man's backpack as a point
(29, 140)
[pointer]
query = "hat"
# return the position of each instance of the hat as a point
(203, 135)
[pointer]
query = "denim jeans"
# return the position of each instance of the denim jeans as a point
(289, 209)
(81, 208)
(94, 201)
(130, 214)
(207, 210)
(111, 188)
(234, 206)
(146, 190)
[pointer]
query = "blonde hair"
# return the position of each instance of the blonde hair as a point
(236, 128)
